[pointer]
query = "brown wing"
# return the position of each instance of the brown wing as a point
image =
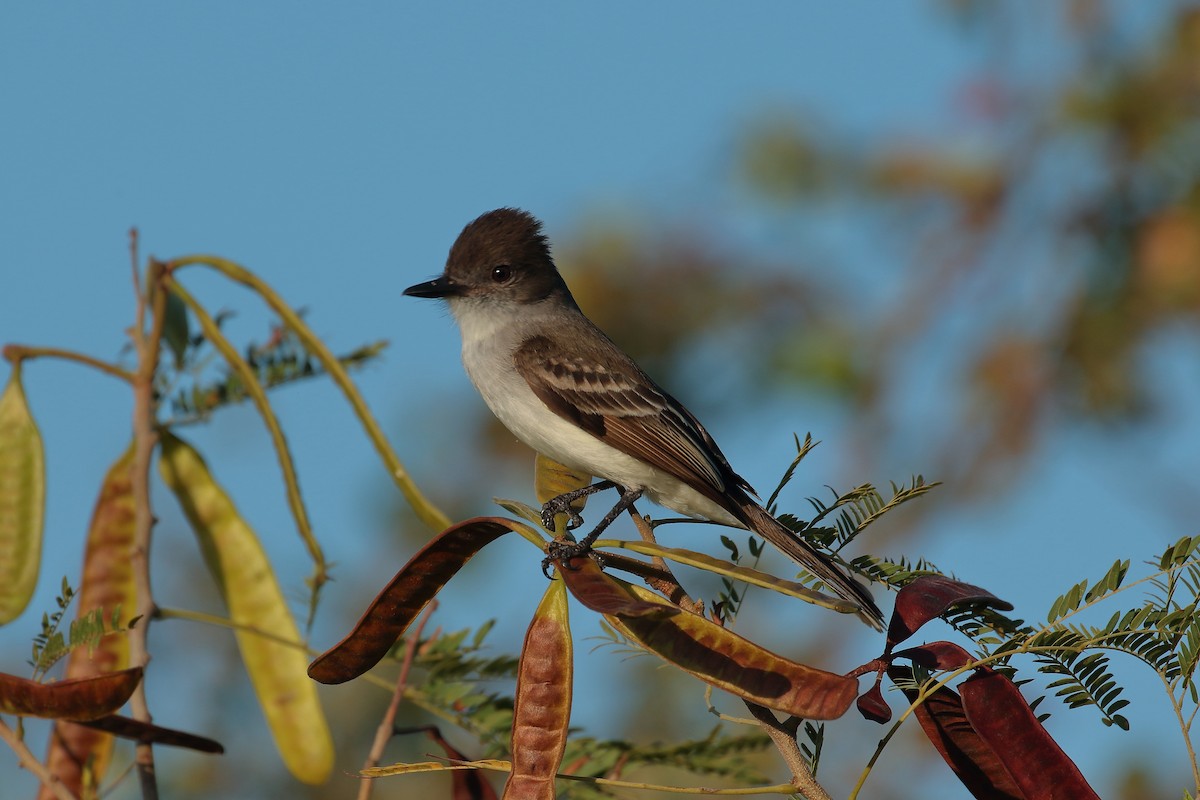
(607, 395)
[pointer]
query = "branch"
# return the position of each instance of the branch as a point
(15, 352)
(30, 762)
(145, 436)
(426, 511)
(283, 453)
(665, 582)
(387, 725)
(785, 741)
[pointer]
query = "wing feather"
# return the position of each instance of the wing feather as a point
(608, 396)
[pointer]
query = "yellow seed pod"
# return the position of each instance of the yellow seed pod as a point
(247, 583)
(550, 479)
(22, 499)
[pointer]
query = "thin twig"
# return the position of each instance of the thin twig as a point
(1184, 726)
(240, 367)
(785, 742)
(21, 351)
(652, 575)
(387, 725)
(669, 585)
(426, 511)
(135, 272)
(495, 765)
(29, 761)
(225, 622)
(145, 437)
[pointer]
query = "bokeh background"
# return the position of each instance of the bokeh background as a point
(960, 239)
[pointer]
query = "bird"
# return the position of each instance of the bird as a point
(565, 389)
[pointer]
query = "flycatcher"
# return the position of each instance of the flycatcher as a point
(566, 390)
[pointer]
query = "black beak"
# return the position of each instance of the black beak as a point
(438, 287)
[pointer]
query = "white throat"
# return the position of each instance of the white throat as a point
(481, 321)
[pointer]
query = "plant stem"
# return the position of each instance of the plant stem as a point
(506, 766)
(145, 435)
(283, 453)
(426, 511)
(30, 762)
(785, 742)
(1184, 728)
(387, 725)
(14, 352)
(670, 585)
(225, 622)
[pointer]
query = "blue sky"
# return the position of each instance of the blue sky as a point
(338, 154)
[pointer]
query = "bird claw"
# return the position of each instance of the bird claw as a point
(558, 505)
(559, 554)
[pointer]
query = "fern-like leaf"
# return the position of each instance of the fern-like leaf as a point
(802, 450)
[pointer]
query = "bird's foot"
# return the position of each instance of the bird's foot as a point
(564, 504)
(560, 552)
(561, 505)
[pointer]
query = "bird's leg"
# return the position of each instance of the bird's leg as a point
(563, 505)
(565, 551)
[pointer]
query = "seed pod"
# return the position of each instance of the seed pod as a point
(78, 698)
(714, 654)
(543, 704)
(22, 499)
(107, 584)
(1002, 718)
(395, 608)
(251, 593)
(140, 731)
(551, 479)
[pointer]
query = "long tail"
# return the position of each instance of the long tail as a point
(758, 520)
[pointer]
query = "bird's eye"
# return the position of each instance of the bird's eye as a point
(502, 274)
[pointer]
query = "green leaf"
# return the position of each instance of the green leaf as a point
(175, 329)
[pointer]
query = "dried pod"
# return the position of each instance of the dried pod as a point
(543, 703)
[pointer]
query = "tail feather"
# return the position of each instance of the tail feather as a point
(758, 520)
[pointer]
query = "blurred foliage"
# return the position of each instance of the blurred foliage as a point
(1041, 247)
(195, 393)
